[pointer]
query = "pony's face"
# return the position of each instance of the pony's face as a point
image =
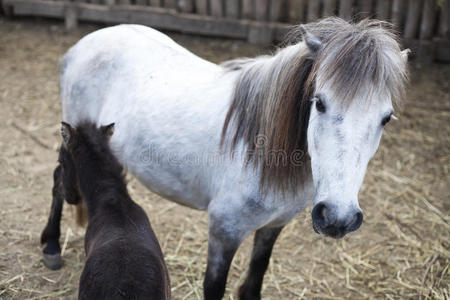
(357, 76)
(341, 141)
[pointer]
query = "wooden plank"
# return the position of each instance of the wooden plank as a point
(156, 17)
(365, 8)
(261, 10)
(276, 10)
(217, 9)
(186, 5)
(398, 13)
(313, 11)
(346, 9)
(232, 9)
(382, 9)
(124, 2)
(248, 11)
(296, 11)
(412, 18)
(329, 8)
(41, 9)
(156, 3)
(444, 26)
(260, 33)
(442, 51)
(201, 7)
(428, 19)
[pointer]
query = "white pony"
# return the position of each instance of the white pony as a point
(252, 141)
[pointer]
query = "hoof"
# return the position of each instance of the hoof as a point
(53, 261)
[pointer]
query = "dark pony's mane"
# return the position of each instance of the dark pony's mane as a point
(270, 107)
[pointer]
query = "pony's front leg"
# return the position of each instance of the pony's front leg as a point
(51, 233)
(262, 249)
(222, 246)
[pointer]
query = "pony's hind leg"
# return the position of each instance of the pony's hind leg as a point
(262, 249)
(51, 233)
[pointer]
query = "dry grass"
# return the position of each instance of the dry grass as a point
(402, 250)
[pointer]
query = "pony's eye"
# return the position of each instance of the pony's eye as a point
(385, 120)
(320, 106)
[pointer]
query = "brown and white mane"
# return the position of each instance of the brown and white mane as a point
(270, 108)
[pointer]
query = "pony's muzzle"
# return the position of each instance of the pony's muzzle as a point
(326, 220)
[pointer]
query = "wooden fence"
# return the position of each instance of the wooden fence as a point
(424, 24)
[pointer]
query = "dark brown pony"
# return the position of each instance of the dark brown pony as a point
(124, 259)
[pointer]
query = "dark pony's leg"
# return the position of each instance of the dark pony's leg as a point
(51, 233)
(64, 187)
(262, 249)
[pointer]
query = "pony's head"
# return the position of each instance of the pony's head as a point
(75, 140)
(357, 78)
(328, 95)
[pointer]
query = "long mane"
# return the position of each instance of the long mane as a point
(270, 106)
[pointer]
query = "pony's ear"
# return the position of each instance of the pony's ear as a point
(311, 41)
(405, 53)
(67, 133)
(108, 130)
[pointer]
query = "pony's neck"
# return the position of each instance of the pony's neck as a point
(100, 179)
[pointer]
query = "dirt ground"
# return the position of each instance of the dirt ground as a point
(402, 251)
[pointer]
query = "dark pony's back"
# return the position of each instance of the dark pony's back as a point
(124, 259)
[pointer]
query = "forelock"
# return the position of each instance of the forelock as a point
(361, 60)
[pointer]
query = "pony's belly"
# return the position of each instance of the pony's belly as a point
(174, 191)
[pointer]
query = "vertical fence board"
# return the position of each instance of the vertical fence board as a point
(412, 18)
(398, 12)
(186, 5)
(155, 2)
(345, 9)
(329, 8)
(216, 8)
(382, 9)
(138, 2)
(444, 26)
(124, 2)
(261, 10)
(170, 3)
(70, 16)
(428, 19)
(296, 10)
(201, 7)
(248, 9)
(232, 9)
(276, 10)
(110, 2)
(313, 10)
(364, 8)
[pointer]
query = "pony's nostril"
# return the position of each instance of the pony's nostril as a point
(319, 215)
(356, 222)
